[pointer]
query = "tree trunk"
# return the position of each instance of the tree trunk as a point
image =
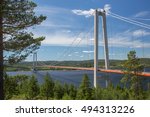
(1, 54)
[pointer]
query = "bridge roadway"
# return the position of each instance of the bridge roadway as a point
(147, 74)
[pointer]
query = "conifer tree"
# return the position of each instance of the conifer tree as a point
(58, 90)
(84, 91)
(97, 93)
(33, 88)
(18, 16)
(1, 54)
(66, 88)
(10, 86)
(133, 67)
(66, 97)
(72, 91)
(47, 87)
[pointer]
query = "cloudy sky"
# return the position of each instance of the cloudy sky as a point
(69, 28)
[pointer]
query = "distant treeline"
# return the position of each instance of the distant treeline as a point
(114, 64)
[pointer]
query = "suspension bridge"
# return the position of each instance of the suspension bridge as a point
(77, 41)
(94, 47)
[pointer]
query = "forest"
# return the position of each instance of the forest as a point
(27, 88)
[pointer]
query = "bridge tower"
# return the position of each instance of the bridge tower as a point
(98, 13)
(34, 61)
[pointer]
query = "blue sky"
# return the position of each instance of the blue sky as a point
(70, 23)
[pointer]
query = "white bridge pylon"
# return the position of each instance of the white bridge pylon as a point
(34, 61)
(98, 13)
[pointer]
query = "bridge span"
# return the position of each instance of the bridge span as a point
(146, 74)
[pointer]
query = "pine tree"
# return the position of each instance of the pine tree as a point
(1, 54)
(97, 93)
(58, 90)
(10, 87)
(20, 79)
(133, 67)
(72, 91)
(33, 88)
(66, 97)
(66, 88)
(69, 92)
(47, 87)
(18, 16)
(84, 91)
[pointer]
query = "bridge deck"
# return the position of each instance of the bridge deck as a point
(147, 74)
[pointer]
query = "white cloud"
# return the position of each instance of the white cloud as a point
(142, 14)
(57, 40)
(119, 41)
(86, 13)
(92, 39)
(66, 31)
(89, 51)
(107, 8)
(64, 39)
(139, 33)
(76, 52)
(51, 10)
(53, 25)
(57, 17)
(125, 39)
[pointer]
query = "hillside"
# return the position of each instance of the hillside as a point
(114, 64)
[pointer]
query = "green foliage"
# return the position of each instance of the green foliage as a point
(97, 93)
(72, 91)
(148, 93)
(66, 97)
(84, 91)
(10, 87)
(18, 16)
(27, 87)
(110, 93)
(47, 87)
(69, 92)
(32, 88)
(133, 67)
(15, 85)
(21, 83)
(66, 88)
(58, 90)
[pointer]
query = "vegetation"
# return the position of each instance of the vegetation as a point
(27, 88)
(18, 16)
(132, 67)
(47, 87)
(84, 91)
(33, 88)
(114, 64)
(130, 87)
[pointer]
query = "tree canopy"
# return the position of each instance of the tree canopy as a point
(132, 67)
(85, 91)
(47, 87)
(18, 16)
